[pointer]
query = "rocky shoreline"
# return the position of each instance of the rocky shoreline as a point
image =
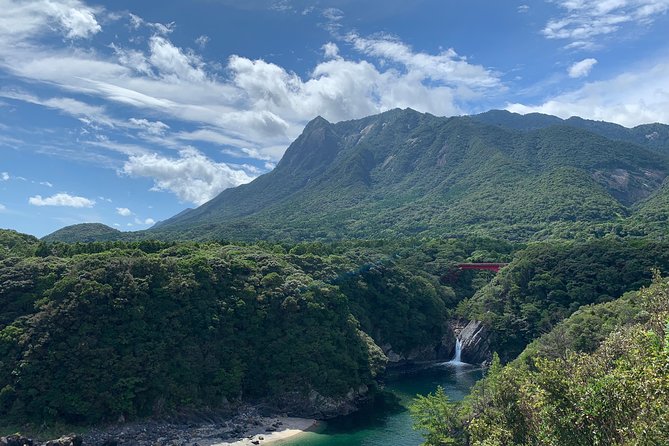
(248, 426)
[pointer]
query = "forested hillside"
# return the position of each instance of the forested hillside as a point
(600, 377)
(547, 282)
(89, 332)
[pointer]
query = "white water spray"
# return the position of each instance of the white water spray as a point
(458, 351)
(457, 358)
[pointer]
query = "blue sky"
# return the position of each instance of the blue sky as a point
(125, 113)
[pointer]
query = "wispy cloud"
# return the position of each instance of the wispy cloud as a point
(638, 96)
(62, 199)
(581, 68)
(584, 21)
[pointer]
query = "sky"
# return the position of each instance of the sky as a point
(125, 112)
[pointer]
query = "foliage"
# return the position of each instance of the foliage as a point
(84, 232)
(616, 393)
(436, 417)
(547, 282)
(91, 331)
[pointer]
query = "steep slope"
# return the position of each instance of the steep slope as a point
(406, 173)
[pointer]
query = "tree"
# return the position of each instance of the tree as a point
(436, 417)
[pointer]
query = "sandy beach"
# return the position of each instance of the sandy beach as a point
(285, 427)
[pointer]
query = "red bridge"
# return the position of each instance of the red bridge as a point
(483, 266)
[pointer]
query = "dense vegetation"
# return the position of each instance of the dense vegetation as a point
(84, 232)
(599, 378)
(547, 282)
(89, 332)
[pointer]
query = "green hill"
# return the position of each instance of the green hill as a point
(83, 232)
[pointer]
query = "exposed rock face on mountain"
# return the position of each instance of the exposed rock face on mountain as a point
(475, 340)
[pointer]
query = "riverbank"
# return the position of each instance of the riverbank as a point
(247, 427)
(273, 430)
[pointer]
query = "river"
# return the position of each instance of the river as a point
(387, 422)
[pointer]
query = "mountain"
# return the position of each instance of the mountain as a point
(653, 136)
(84, 232)
(404, 173)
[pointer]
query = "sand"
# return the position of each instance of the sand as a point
(286, 427)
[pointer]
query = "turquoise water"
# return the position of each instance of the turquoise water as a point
(387, 422)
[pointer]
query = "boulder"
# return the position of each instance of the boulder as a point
(67, 440)
(15, 440)
(475, 339)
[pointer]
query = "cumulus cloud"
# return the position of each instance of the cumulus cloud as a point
(192, 176)
(447, 67)
(254, 105)
(172, 62)
(73, 18)
(639, 96)
(149, 221)
(62, 199)
(583, 21)
(4, 176)
(331, 50)
(582, 68)
(125, 212)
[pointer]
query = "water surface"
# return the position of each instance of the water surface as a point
(387, 422)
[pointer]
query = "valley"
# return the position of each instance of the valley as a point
(340, 284)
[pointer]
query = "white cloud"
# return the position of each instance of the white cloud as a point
(636, 97)
(4, 176)
(249, 106)
(46, 183)
(331, 50)
(149, 221)
(125, 212)
(21, 19)
(202, 41)
(2, 207)
(447, 67)
(523, 8)
(173, 63)
(192, 177)
(583, 21)
(85, 112)
(62, 199)
(333, 14)
(151, 127)
(582, 68)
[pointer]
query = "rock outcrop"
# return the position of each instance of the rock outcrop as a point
(16, 440)
(67, 440)
(475, 340)
(441, 350)
(315, 405)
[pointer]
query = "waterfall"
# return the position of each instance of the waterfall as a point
(457, 358)
(458, 350)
